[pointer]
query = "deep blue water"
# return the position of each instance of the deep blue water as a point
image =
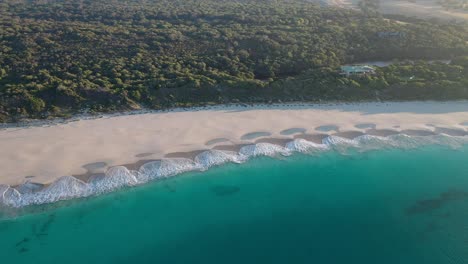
(387, 206)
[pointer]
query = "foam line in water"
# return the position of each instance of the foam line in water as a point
(68, 187)
(264, 149)
(339, 141)
(11, 197)
(3, 193)
(304, 146)
(451, 141)
(115, 178)
(29, 187)
(64, 188)
(165, 168)
(214, 157)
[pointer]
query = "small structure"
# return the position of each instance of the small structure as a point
(391, 34)
(357, 70)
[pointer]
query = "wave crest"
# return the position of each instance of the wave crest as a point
(65, 188)
(304, 146)
(165, 168)
(68, 187)
(214, 157)
(264, 149)
(10, 196)
(115, 178)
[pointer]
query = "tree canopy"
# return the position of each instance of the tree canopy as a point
(61, 56)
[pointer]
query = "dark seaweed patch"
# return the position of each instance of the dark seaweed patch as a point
(41, 235)
(425, 206)
(4, 225)
(223, 190)
(170, 188)
(431, 227)
(23, 250)
(24, 240)
(44, 227)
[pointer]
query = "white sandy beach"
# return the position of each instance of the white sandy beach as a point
(421, 8)
(42, 154)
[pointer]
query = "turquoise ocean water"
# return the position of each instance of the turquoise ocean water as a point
(385, 206)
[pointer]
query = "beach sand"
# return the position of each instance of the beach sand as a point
(424, 9)
(42, 154)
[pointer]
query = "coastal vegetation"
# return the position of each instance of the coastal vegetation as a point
(59, 57)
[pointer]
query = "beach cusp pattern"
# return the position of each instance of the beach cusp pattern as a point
(118, 177)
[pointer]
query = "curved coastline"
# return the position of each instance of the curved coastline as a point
(165, 144)
(143, 171)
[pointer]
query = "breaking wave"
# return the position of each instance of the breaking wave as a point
(304, 146)
(263, 149)
(68, 187)
(213, 157)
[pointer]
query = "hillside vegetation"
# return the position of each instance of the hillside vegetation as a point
(58, 57)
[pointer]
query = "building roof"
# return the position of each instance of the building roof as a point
(357, 68)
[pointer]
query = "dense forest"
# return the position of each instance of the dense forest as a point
(58, 57)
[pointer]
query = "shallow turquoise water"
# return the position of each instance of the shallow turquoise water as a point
(389, 206)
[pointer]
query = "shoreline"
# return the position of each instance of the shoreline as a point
(53, 121)
(145, 171)
(90, 146)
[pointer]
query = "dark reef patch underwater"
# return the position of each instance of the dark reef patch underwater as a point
(382, 206)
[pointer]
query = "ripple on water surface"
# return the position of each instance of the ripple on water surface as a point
(256, 211)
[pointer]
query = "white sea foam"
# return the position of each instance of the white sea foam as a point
(213, 157)
(115, 178)
(304, 146)
(264, 149)
(335, 141)
(370, 142)
(402, 141)
(29, 187)
(410, 142)
(165, 168)
(3, 190)
(340, 144)
(65, 188)
(68, 187)
(454, 142)
(11, 197)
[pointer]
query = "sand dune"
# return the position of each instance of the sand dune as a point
(421, 8)
(42, 154)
